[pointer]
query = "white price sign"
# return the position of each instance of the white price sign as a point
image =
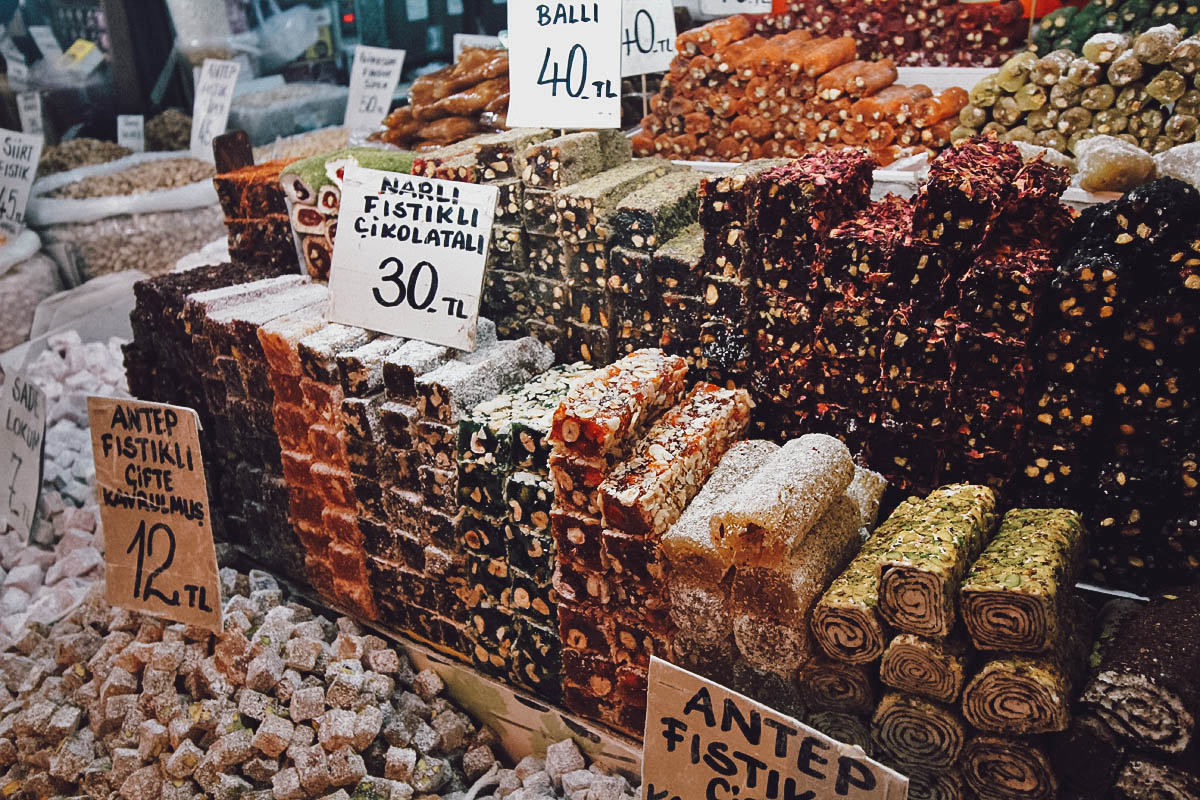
(131, 132)
(410, 255)
(29, 107)
(18, 167)
(23, 412)
(647, 36)
(563, 69)
(210, 111)
(731, 7)
(373, 80)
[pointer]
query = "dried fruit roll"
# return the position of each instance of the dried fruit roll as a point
(1018, 695)
(863, 80)
(986, 92)
(617, 402)
(848, 728)
(1015, 72)
(1031, 97)
(972, 116)
(1008, 769)
(1145, 690)
(1098, 98)
(1013, 597)
(1084, 73)
(920, 577)
(917, 731)
(765, 519)
(689, 545)
(1185, 56)
(1051, 67)
(824, 57)
(943, 107)
(1154, 46)
(719, 33)
(1125, 69)
(771, 604)
(886, 104)
(828, 685)
(645, 494)
(1167, 86)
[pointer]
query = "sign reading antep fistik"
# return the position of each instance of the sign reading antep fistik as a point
(154, 504)
(705, 742)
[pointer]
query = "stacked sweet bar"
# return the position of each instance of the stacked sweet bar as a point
(914, 32)
(597, 425)
(256, 214)
(506, 494)
(734, 95)
(223, 325)
(1115, 401)
(751, 554)
(551, 166)
(676, 271)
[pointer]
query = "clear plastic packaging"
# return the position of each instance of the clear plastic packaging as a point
(287, 110)
(26, 278)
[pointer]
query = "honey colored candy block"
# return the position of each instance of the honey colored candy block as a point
(562, 161)
(689, 544)
(920, 576)
(652, 215)
(645, 495)
(1012, 598)
(585, 630)
(783, 499)
(280, 340)
(771, 604)
(577, 482)
(617, 402)
(637, 562)
(579, 539)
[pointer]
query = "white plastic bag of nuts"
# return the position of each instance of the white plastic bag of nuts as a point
(143, 212)
(26, 278)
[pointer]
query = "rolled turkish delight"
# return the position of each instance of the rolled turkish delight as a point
(930, 668)
(645, 494)
(829, 685)
(917, 731)
(784, 499)
(617, 402)
(1012, 598)
(1008, 768)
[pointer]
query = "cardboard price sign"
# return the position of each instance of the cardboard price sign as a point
(647, 36)
(731, 7)
(410, 255)
(373, 80)
(154, 505)
(705, 741)
(210, 110)
(19, 156)
(131, 132)
(563, 68)
(23, 411)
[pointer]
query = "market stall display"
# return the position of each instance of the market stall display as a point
(1072, 27)
(765, 97)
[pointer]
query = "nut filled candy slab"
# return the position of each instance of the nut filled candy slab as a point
(725, 204)
(562, 161)
(678, 261)
(447, 393)
(584, 209)
(858, 253)
(652, 215)
(1003, 291)
(506, 299)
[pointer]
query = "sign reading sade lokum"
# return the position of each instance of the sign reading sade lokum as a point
(410, 255)
(705, 742)
(153, 495)
(23, 412)
(564, 65)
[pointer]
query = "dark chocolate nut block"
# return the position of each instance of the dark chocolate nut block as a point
(1154, 390)
(682, 316)
(1003, 290)
(920, 271)
(914, 350)
(678, 263)
(725, 344)
(568, 159)
(990, 361)
(585, 209)
(481, 488)
(994, 468)
(1091, 290)
(631, 274)
(529, 498)
(635, 326)
(852, 329)
(488, 578)
(1130, 500)
(584, 629)
(532, 552)
(725, 200)
(779, 376)
(1074, 357)
(1160, 326)
(511, 203)
(483, 534)
(592, 344)
(501, 156)
(1147, 219)
(856, 258)
(492, 632)
(925, 406)
(547, 258)
(785, 322)
(1053, 474)
(726, 297)
(435, 443)
(533, 595)
(537, 660)
(652, 215)
(586, 264)
(551, 300)
(1060, 410)
(439, 486)
(849, 382)
(727, 253)
(854, 426)
(507, 302)
(509, 250)
(591, 305)
(539, 210)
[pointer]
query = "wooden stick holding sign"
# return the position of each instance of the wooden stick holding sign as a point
(705, 741)
(153, 495)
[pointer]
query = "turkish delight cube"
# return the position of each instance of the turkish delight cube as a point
(539, 211)
(678, 262)
(483, 534)
(984, 360)
(578, 538)
(850, 329)
(1002, 290)
(562, 161)
(529, 497)
(652, 215)
(584, 208)
(585, 264)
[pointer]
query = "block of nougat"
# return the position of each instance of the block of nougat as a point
(414, 358)
(654, 214)
(447, 393)
(771, 605)
(361, 369)
(688, 545)
(568, 159)
(585, 207)
(617, 402)
(644, 495)
(784, 499)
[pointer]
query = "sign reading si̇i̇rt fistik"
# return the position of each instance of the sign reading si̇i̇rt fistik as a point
(705, 742)
(19, 156)
(564, 64)
(410, 255)
(154, 505)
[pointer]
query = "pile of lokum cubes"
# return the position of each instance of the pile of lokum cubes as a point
(734, 94)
